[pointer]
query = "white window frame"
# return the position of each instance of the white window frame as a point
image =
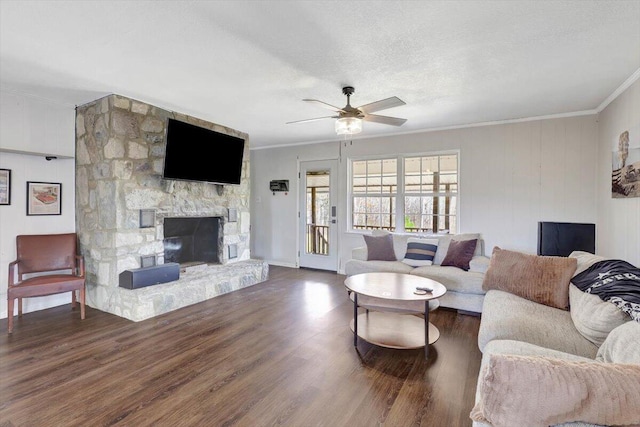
(436, 192)
(381, 195)
(400, 193)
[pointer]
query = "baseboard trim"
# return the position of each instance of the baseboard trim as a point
(281, 264)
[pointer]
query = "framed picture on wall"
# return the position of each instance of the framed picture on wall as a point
(44, 198)
(625, 175)
(5, 186)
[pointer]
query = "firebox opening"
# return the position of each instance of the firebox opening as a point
(192, 240)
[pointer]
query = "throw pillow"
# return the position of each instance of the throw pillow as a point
(399, 241)
(445, 240)
(592, 317)
(420, 252)
(460, 253)
(585, 260)
(542, 391)
(380, 248)
(542, 279)
(615, 281)
(622, 345)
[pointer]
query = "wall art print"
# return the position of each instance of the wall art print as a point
(625, 176)
(5, 186)
(44, 198)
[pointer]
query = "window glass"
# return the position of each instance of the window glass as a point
(427, 192)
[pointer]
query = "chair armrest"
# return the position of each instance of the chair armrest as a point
(479, 264)
(360, 253)
(12, 272)
(80, 265)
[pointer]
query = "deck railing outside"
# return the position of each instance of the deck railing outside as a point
(317, 239)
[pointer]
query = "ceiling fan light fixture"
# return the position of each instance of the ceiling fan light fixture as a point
(348, 126)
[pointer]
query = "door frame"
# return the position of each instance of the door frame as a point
(331, 262)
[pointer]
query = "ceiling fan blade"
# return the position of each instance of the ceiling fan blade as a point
(386, 120)
(325, 105)
(312, 120)
(383, 104)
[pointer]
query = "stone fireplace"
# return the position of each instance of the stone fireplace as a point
(119, 158)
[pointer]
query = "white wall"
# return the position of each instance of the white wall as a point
(274, 217)
(36, 125)
(511, 177)
(618, 229)
(24, 167)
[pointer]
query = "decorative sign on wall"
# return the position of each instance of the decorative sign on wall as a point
(625, 176)
(44, 198)
(279, 185)
(5, 186)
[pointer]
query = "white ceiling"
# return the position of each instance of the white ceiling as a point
(248, 64)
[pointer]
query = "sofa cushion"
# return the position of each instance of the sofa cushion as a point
(380, 248)
(453, 278)
(585, 260)
(479, 264)
(445, 240)
(622, 345)
(460, 253)
(356, 266)
(542, 279)
(420, 252)
(542, 391)
(522, 348)
(592, 317)
(510, 317)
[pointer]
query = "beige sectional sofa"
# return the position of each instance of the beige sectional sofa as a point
(464, 288)
(593, 333)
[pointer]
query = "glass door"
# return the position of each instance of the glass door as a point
(318, 215)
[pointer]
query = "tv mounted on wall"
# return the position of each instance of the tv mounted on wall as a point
(195, 153)
(562, 238)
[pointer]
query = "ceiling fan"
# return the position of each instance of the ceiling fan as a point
(349, 119)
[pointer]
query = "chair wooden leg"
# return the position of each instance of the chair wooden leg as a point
(82, 301)
(19, 307)
(10, 314)
(73, 300)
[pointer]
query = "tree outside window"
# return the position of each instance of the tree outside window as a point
(428, 196)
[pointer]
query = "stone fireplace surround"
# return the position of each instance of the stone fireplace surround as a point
(119, 159)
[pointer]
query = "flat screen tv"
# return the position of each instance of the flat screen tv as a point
(194, 153)
(562, 238)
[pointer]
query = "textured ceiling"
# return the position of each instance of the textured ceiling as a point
(249, 64)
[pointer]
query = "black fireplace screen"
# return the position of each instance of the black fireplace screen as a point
(194, 239)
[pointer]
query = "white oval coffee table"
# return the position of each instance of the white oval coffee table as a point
(394, 328)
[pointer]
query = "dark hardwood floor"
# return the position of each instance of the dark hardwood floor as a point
(279, 353)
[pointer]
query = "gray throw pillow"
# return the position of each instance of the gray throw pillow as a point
(380, 248)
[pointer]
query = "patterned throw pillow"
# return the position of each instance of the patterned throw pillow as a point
(420, 252)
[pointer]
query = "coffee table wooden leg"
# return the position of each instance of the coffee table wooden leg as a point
(355, 319)
(426, 329)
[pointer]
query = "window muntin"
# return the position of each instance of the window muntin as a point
(430, 193)
(374, 186)
(427, 189)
